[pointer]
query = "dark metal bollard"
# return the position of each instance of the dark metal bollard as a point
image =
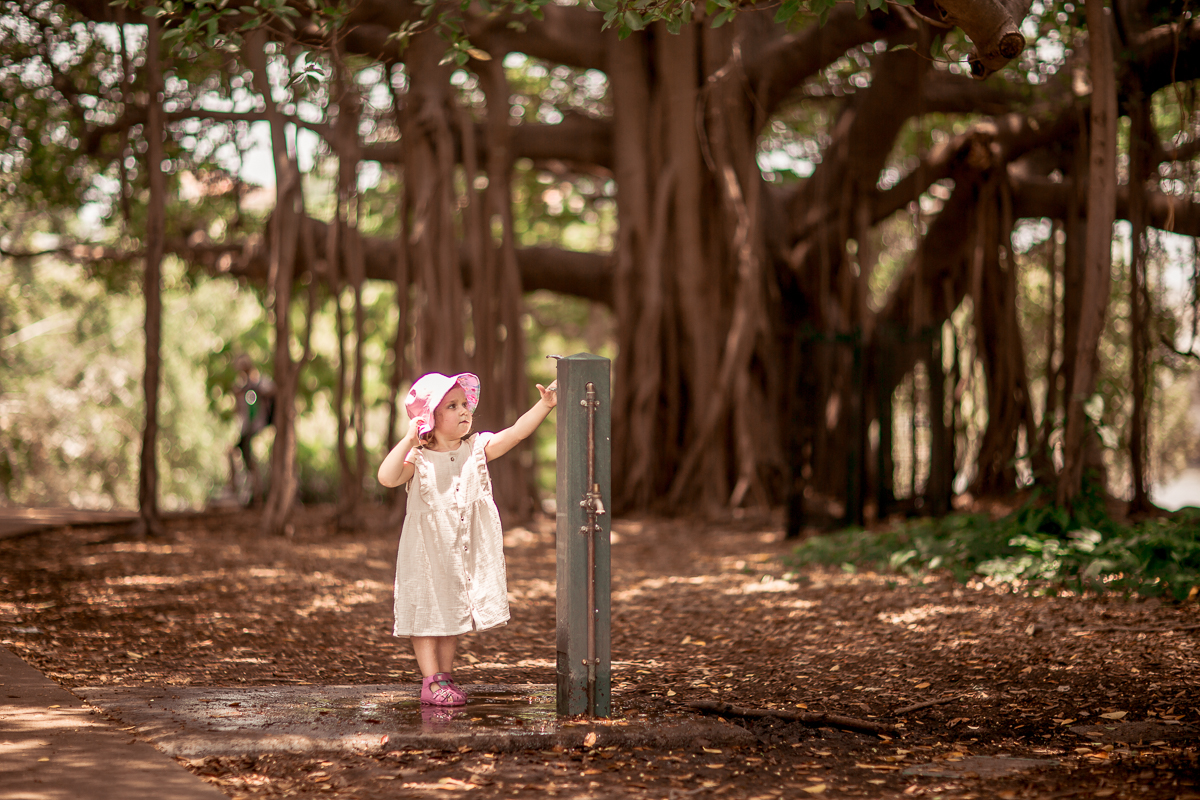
(583, 567)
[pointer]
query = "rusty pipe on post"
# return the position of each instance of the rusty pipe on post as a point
(594, 506)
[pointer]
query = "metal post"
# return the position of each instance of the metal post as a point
(583, 568)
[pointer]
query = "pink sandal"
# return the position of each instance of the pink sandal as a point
(439, 690)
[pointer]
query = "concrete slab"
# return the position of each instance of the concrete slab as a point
(1146, 732)
(979, 767)
(53, 747)
(196, 722)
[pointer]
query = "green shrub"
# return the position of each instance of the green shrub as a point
(1037, 548)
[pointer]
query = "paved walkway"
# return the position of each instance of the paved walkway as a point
(53, 747)
(20, 521)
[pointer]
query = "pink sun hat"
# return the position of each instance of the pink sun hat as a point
(429, 390)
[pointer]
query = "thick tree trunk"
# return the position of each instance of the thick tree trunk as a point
(1140, 141)
(429, 180)
(1043, 464)
(282, 235)
(498, 302)
(400, 276)
(1101, 212)
(994, 297)
(149, 522)
(349, 257)
(637, 282)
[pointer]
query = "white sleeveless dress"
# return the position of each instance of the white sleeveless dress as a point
(450, 571)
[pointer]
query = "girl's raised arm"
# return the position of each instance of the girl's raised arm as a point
(395, 471)
(507, 439)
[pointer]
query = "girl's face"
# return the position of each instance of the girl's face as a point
(452, 419)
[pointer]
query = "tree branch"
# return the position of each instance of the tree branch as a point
(584, 275)
(1161, 56)
(777, 70)
(582, 142)
(1041, 197)
(569, 272)
(1012, 136)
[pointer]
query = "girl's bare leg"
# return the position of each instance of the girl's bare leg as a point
(434, 653)
(447, 646)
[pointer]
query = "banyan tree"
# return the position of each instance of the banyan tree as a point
(815, 209)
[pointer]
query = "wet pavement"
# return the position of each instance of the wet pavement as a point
(194, 722)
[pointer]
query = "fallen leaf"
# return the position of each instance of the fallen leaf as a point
(471, 658)
(1115, 715)
(670, 692)
(922, 686)
(454, 783)
(590, 740)
(709, 750)
(816, 788)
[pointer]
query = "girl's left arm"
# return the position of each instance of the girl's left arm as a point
(507, 439)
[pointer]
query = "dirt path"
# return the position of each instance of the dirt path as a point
(700, 613)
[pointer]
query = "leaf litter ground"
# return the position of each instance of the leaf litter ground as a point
(700, 612)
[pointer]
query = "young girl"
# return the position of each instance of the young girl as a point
(450, 575)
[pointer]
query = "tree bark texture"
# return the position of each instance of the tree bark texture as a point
(149, 521)
(1101, 212)
(283, 233)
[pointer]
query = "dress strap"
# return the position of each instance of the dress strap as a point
(478, 444)
(424, 476)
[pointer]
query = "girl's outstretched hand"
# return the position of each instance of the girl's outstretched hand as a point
(505, 440)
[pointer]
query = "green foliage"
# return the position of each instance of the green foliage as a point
(1038, 548)
(447, 20)
(71, 404)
